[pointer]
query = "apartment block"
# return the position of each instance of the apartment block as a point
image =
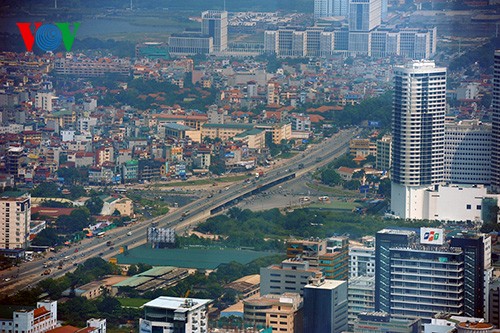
(15, 218)
(283, 313)
(290, 276)
(173, 314)
(40, 320)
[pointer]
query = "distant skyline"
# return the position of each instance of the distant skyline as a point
(188, 5)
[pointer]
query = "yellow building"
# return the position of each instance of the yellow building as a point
(176, 153)
(104, 154)
(362, 147)
(65, 118)
(254, 138)
(280, 131)
(15, 217)
(224, 131)
(281, 312)
(193, 121)
(178, 132)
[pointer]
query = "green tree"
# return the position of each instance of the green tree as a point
(54, 287)
(330, 177)
(358, 174)
(217, 166)
(76, 221)
(352, 184)
(384, 188)
(77, 310)
(132, 270)
(109, 305)
(73, 175)
(47, 237)
(77, 191)
(345, 161)
(46, 190)
(94, 205)
(141, 267)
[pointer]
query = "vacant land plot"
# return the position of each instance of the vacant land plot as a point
(200, 258)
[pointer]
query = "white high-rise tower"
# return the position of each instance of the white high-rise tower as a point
(364, 15)
(327, 8)
(495, 137)
(418, 135)
(214, 24)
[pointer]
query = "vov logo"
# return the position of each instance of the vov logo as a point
(48, 37)
(431, 236)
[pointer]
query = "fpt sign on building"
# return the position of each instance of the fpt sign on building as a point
(48, 37)
(431, 236)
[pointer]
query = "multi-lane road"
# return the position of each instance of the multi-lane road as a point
(134, 235)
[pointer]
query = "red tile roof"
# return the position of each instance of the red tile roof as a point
(64, 329)
(52, 212)
(40, 312)
(316, 118)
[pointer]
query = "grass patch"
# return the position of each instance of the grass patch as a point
(336, 205)
(287, 155)
(198, 182)
(335, 191)
(232, 178)
(196, 257)
(160, 211)
(156, 207)
(187, 183)
(133, 302)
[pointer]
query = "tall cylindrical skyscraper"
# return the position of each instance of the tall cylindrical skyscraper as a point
(418, 133)
(495, 135)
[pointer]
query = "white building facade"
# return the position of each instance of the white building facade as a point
(467, 152)
(39, 320)
(291, 276)
(173, 314)
(361, 261)
(360, 297)
(495, 135)
(214, 24)
(418, 135)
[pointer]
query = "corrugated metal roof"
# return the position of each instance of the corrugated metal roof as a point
(134, 281)
(157, 271)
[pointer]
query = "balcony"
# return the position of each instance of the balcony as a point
(421, 296)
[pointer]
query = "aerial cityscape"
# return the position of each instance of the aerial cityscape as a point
(300, 166)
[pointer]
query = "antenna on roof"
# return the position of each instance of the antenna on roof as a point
(224, 5)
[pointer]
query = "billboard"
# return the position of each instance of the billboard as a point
(145, 326)
(487, 251)
(431, 236)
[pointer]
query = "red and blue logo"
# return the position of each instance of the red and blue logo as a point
(48, 37)
(431, 236)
